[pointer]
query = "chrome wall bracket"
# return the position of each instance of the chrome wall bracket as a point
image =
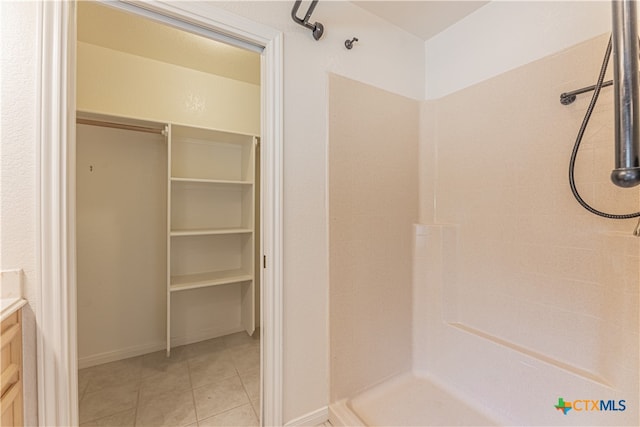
(317, 29)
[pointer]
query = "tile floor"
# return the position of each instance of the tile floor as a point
(210, 383)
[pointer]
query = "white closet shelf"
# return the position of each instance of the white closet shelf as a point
(210, 231)
(210, 181)
(203, 280)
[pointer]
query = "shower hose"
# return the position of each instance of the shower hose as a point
(583, 127)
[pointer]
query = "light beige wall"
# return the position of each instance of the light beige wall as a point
(373, 176)
(535, 293)
(122, 84)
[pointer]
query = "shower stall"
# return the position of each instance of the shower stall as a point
(467, 286)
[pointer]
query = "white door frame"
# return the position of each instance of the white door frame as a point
(55, 123)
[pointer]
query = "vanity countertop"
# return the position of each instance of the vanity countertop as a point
(8, 306)
(10, 293)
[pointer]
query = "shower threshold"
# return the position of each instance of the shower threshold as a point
(407, 400)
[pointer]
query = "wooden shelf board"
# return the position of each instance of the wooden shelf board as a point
(210, 231)
(203, 280)
(210, 181)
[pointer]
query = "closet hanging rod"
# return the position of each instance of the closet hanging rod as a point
(92, 122)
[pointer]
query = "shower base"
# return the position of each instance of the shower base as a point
(407, 400)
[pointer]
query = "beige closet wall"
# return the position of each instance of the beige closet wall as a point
(122, 84)
(373, 203)
(121, 226)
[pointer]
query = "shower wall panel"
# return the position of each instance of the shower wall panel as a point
(544, 300)
(373, 188)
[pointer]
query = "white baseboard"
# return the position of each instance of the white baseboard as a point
(125, 353)
(311, 419)
(118, 354)
(203, 334)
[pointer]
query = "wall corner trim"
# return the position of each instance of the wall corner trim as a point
(55, 312)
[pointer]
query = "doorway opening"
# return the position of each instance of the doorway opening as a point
(57, 338)
(167, 224)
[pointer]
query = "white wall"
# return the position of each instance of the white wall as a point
(384, 57)
(504, 35)
(18, 160)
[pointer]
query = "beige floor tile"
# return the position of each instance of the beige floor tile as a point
(246, 357)
(113, 374)
(83, 383)
(158, 361)
(241, 338)
(251, 382)
(121, 419)
(204, 347)
(219, 397)
(155, 390)
(107, 402)
(176, 378)
(240, 416)
(166, 409)
(211, 368)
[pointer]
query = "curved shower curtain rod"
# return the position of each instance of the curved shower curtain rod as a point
(317, 28)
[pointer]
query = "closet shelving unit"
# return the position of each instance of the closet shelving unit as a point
(211, 209)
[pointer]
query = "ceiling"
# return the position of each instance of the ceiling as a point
(421, 18)
(114, 29)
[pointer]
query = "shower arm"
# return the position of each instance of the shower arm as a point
(317, 28)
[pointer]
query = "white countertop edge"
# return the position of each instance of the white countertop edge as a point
(10, 306)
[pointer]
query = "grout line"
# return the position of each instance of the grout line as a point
(193, 396)
(195, 407)
(135, 415)
(246, 393)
